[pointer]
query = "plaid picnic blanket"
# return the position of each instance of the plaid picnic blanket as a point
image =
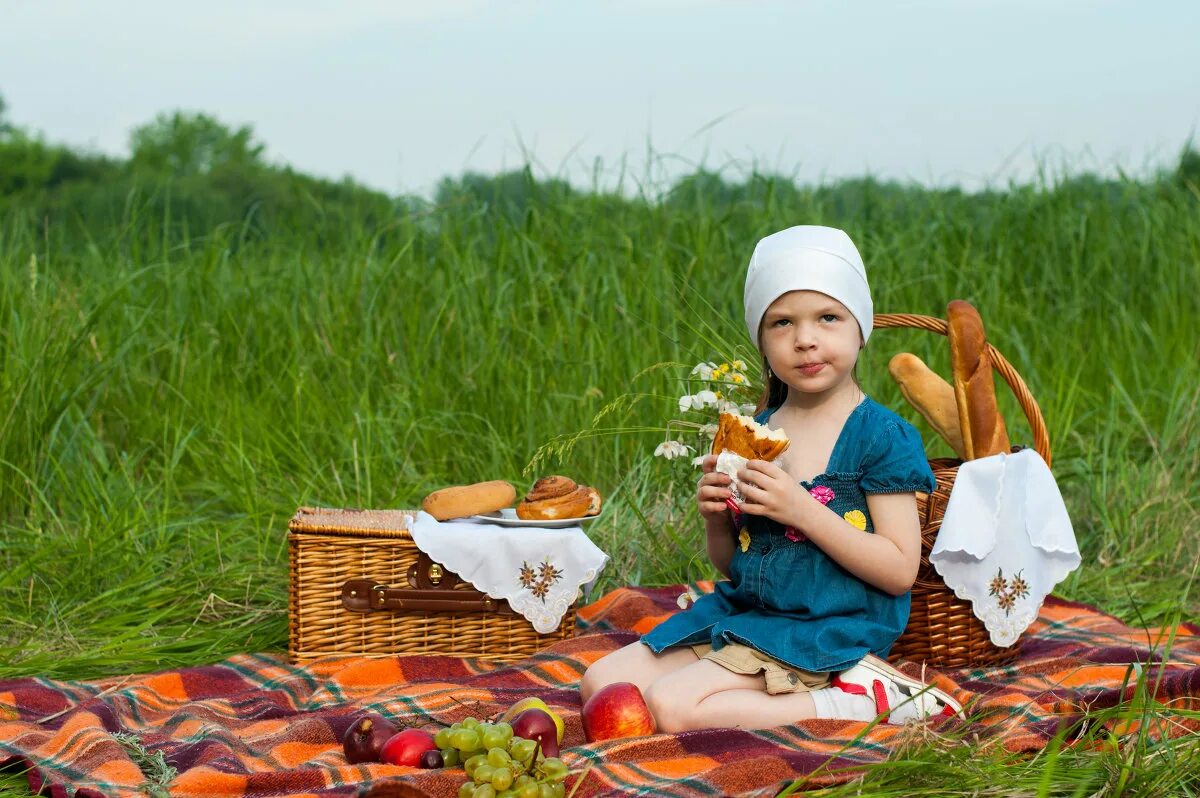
(254, 725)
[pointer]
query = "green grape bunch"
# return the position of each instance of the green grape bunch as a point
(499, 765)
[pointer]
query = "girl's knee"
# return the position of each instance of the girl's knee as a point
(603, 671)
(634, 663)
(595, 677)
(670, 706)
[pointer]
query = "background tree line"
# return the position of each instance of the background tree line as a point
(194, 174)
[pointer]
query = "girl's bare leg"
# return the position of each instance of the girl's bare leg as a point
(634, 663)
(704, 695)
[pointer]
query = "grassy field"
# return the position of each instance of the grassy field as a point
(171, 397)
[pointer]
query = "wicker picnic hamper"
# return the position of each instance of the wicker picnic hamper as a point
(358, 586)
(942, 630)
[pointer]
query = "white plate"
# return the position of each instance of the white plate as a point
(508, 517)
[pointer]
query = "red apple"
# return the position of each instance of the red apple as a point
(364, 740)
(617, 710)
(406, 747)
(537, 724)
(528, 703)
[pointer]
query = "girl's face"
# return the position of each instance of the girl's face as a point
(811, 341)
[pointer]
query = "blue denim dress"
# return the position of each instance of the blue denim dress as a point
(787, 598)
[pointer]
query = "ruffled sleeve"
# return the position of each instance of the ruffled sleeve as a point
(896, 462)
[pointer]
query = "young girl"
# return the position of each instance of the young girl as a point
(822, 555)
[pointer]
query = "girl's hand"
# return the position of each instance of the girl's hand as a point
(769, 490)
(713, 489)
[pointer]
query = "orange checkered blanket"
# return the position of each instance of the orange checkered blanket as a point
(254, 725)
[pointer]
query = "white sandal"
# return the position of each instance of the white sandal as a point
(899, 698)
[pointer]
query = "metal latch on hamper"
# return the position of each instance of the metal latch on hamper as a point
(367, 595)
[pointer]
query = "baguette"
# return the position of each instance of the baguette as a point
(931, 396)
(979, 418)
(464, 500)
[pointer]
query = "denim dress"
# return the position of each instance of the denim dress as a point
(785, 597)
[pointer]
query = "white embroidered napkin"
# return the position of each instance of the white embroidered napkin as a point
(1005, 541)
(539, 572)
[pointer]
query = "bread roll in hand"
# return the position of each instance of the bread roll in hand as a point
(744, 436)
(740, 439)
(931, 396)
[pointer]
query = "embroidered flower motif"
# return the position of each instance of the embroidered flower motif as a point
(549, 573)
(744, 539)
(539, 581)
(794, 534)
(822, 494)
(857, 519)
(1007, 592)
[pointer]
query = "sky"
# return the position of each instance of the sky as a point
(400, 94)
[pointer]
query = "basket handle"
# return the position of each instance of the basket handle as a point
(1037, 425)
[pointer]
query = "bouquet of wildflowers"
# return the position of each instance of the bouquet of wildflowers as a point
(725, 388)
(717, 388)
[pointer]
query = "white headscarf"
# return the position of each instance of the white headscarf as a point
(807, 258)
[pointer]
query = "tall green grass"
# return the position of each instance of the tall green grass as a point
(171, 397)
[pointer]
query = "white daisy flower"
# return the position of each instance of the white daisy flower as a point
(704, 370)
(697, 462)
(688, 596)
(709, 431)
(704, 399)
(672, 449)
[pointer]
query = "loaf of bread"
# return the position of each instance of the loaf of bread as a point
(555, 497)
(464, 500)
(979, 418)
(744, 436)
(932, 397)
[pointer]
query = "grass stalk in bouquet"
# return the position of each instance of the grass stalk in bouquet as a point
(726, 388)
(651, 529)
(708, 389)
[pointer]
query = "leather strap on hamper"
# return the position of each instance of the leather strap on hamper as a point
(431, 589)
(367, 595)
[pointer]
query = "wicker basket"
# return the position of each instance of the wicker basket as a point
(942, 630)
(359, 586)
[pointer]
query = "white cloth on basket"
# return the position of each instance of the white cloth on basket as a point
(1005, 541)
(539, 572)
